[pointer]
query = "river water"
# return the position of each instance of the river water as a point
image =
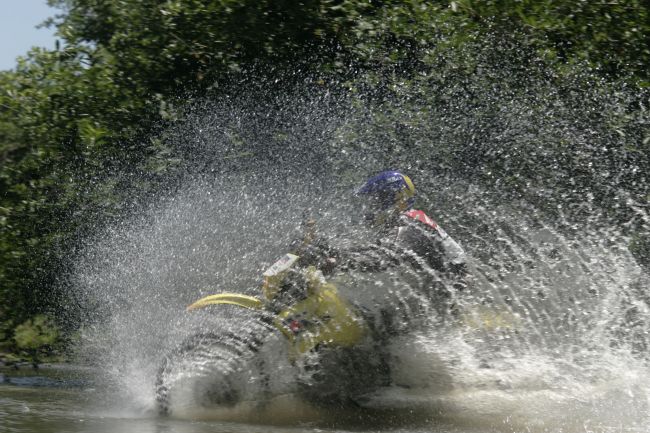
(67, 399)
(64, 399)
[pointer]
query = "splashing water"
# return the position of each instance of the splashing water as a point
(550, 334)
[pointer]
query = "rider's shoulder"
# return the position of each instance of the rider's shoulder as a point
(421, 217)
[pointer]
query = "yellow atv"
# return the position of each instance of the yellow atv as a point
(328, 345)
(317, 316)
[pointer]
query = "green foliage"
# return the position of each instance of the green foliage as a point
(613, 35)
(36, 334)
(46, 106)
(163, 46)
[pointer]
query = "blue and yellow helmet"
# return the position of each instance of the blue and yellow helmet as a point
(389, 190)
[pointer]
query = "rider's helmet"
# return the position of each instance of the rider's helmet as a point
(386, 194)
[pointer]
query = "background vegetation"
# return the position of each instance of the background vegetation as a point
(82, 127)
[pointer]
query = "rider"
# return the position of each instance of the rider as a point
(399, 235)
(386, 203)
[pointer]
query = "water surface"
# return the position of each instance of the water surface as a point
(67, 400)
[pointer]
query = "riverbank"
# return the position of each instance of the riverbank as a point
(20, 361)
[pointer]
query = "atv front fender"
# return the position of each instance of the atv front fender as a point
(245, 301)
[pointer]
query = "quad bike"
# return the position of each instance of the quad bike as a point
(301, 337)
